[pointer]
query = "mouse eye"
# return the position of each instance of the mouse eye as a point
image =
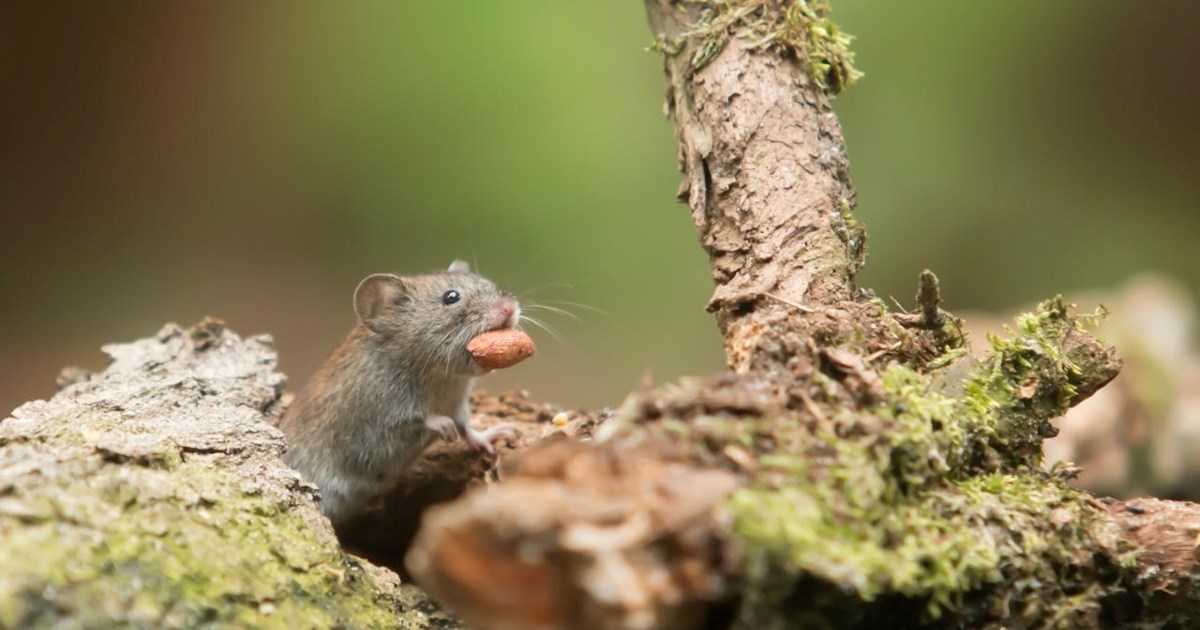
(450, 297)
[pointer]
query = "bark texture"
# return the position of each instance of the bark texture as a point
(1140, 435)
(766, 179)
(1168, 534)
(445, 472)
(580, 537)
(151, 494)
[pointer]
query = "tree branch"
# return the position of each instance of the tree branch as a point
(1168, 536)
(765, 170)
(856, 467)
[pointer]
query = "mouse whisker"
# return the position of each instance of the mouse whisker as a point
(540, 324)
(586, 307)
(554, 309)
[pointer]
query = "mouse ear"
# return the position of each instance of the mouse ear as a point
(459, 266)
(373, 297)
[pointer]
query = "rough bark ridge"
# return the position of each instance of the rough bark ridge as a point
(1167, 534)
(767, 177)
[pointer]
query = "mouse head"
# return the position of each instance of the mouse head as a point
(429, 319)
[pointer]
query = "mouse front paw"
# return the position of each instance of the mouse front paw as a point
(444, 426)
(484, 440)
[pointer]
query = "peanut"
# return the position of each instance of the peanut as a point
(498, 349)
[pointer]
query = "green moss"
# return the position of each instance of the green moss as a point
(1015, 547)
(118, 551)
(854, 234)
(928, 440)
(800, 27)
(925, 506)
(816, 38)
(1032, 377)
(879, 522)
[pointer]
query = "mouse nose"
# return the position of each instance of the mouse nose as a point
(509, 312)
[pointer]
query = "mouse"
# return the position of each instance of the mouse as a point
(399, 381)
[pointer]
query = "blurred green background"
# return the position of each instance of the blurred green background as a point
(163, 161)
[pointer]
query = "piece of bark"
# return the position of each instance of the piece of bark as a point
(384, 531)
(152, 494)
(580, 537)
(1140, 435)
(1168, 532)
(872, 475)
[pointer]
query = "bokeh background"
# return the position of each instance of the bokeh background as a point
(164, 161)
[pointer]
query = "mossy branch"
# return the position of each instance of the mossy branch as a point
(799, 28)
(855, 467)
(828, 512)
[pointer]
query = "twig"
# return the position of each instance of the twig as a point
(796, 305)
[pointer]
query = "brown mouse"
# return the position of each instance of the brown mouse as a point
(399, 380)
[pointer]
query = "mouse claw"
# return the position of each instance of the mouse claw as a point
(445, 427)
(484, 440)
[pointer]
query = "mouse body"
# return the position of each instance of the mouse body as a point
(400, 380)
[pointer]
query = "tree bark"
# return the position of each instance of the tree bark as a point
(855, 467)
(152, 494)
(1168, 564)
(766, 179)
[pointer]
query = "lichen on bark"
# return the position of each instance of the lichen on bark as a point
(908, 507)
(151, 494)
(1048, 365)
(931, 506)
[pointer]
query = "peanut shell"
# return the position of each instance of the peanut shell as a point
(498, 349)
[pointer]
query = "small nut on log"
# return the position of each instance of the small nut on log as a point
(498, 349)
